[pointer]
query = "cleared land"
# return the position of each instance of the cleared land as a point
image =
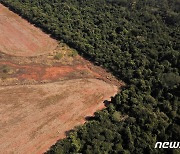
(20, 38)
(35, 117)
(44, 96)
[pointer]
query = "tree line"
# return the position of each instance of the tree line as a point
(139, 42)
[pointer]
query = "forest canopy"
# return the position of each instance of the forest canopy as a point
(138, 41)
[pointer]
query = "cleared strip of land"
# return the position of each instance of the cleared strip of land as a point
(20, 38)
(35, 117)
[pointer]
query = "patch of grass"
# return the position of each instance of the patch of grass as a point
(5, 69)
(58, 56)
(73, 53)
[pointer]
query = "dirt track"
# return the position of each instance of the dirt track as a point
(40, 97)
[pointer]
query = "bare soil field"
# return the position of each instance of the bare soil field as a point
(46, 89)
(33, 117)
(20, 38)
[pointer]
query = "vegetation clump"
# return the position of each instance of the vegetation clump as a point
(73, 53)
(5, 70)
(58, 56)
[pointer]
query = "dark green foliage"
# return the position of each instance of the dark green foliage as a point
(138, 41)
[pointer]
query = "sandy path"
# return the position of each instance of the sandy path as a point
(34, 117)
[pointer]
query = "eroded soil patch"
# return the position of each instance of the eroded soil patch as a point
(28, 71)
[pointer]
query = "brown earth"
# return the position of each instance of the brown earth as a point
(20, 38)
(42, 97)
(33, 117)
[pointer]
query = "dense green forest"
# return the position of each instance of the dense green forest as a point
(139, 42)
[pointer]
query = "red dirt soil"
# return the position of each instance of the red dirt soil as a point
(34, 117)
(20, 38)
(40, 73)
(57, 72)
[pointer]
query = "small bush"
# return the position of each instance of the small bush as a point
(58, 56)
(73, 53)
(5, 69)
